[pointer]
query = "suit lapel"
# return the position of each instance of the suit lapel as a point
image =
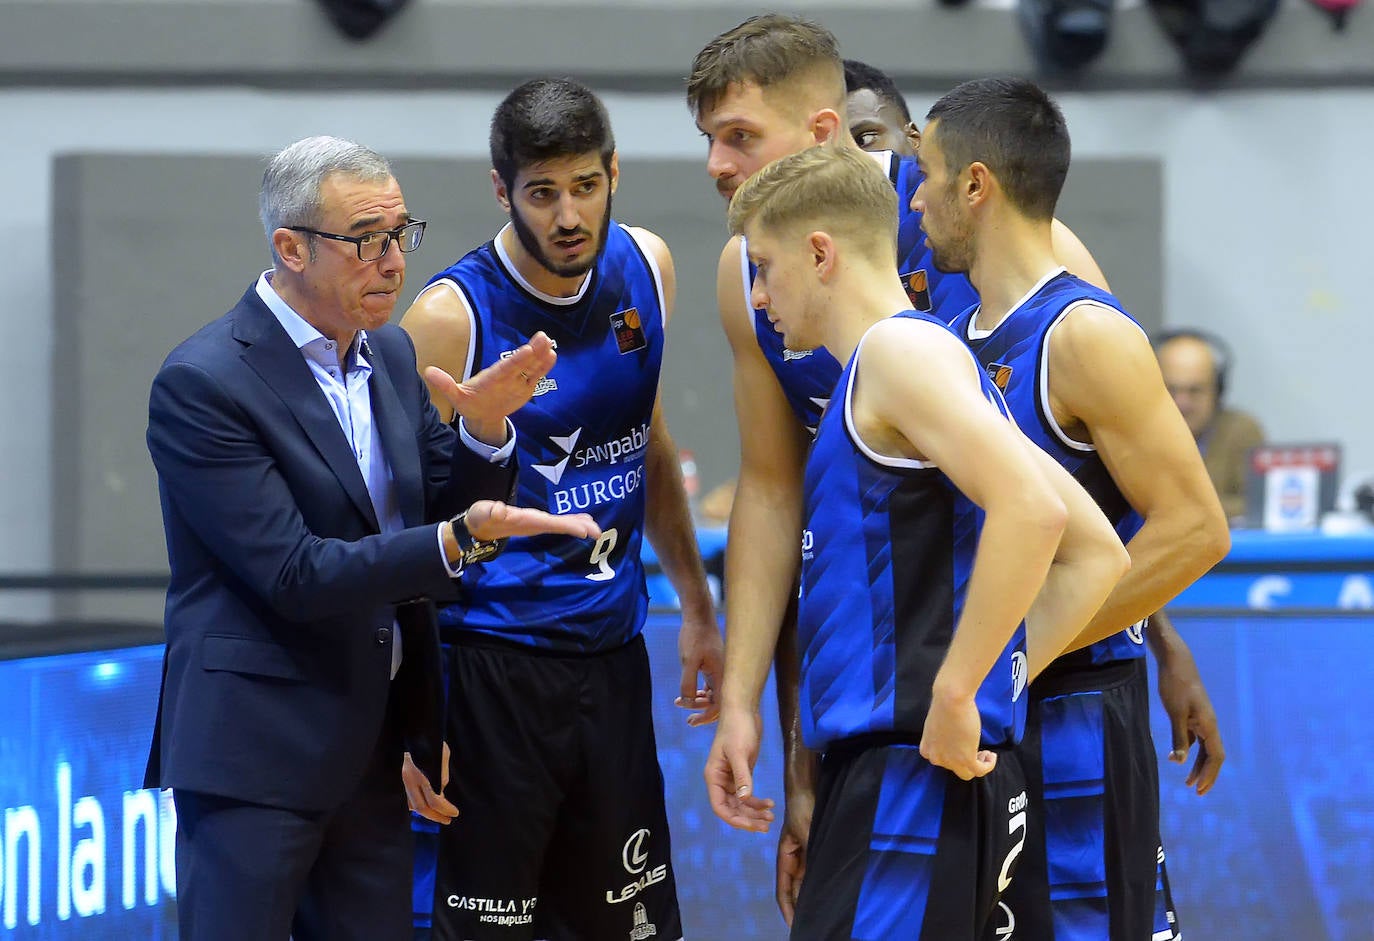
(271, 354)
(390, 420)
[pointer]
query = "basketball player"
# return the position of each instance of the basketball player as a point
(563, 833)
(1081, 380)
(931, 554)
(772, 86)
(879, 118)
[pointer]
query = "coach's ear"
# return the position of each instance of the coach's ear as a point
(826, 125)
(293, 248)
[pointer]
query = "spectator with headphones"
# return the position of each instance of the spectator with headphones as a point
(1195, 364)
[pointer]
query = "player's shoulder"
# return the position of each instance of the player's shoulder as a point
(896, 344)
(1096, 348)
(440, 303)
(1092, 323)
(911, 326)
(647, 239)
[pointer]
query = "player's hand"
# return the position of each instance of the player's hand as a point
(491, 519)
(791, 866)
(730, 772)
(420, 794)
(488, 397)
(1191, 718)
(702, 651)
(951, 734)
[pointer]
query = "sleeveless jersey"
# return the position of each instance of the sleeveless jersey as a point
(808, 377)
(1016, 357)
(887, 551)
(582, 441)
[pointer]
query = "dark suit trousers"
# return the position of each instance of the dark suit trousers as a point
(247, 872)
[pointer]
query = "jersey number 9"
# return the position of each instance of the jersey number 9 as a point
(600, 553)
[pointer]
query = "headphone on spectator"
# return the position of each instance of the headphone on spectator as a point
(1220, 350)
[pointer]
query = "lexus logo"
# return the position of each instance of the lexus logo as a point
(634, 855)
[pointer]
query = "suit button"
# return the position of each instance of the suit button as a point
(383, 636)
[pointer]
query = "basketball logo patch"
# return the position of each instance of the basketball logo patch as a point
(629, 331)
(1000, 375)
(917, 289)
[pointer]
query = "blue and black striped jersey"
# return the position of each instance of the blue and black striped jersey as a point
(887, 550)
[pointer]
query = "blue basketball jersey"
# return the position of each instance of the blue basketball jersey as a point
(943, 294)
(582, 441)
(887, 551)
(1015, 355)
(808, 377)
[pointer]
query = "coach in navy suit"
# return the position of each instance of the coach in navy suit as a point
(311, 497)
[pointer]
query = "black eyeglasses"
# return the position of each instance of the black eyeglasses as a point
(374, 245)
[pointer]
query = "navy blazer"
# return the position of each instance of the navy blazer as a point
(283, 590)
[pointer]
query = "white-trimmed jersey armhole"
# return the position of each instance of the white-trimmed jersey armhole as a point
(648, 254)
(905, 463)
(1044, 386)
(472, 321)
(744, 279)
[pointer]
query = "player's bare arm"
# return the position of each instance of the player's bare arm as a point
(917, 395)
(668, 525)
(801, 770)
(762, 556)
(1192, 718)
(1119, 403)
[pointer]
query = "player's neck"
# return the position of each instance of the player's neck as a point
(1012, 257)
(538, 277)
(863, 298)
